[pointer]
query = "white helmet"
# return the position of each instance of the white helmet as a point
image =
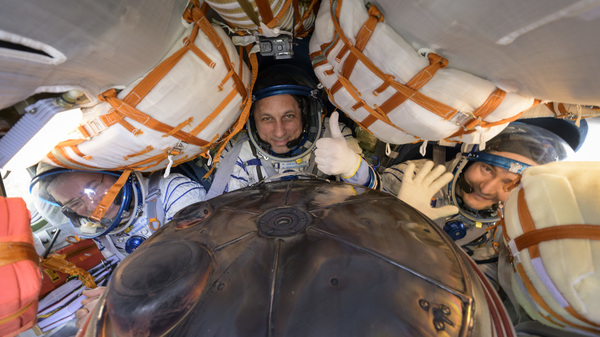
(84, 191)
(533, 142)
(281, 79)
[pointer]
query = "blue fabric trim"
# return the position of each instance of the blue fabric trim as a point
(283, 89)
(254, 161)
(183, 194)
(166, 200)
(511, 165)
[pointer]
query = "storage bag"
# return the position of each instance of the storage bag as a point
(551, 227)
(400, 95)
(177, 111)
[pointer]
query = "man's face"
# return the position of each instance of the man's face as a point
(488, 182)
(278, 121)
(81, 192)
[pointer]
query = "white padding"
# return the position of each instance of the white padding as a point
(389, 52)
(189, 90)
(561, 193)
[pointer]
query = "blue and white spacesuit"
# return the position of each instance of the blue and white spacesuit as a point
(502, 161)
(248, 159)
(139, 207)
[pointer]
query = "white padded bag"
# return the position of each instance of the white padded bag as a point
(552, 229)
(374, 76)
(158, 122)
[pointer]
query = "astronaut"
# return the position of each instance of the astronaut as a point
(139, 206)
(118, 211)
(464, 196)
(285, 134)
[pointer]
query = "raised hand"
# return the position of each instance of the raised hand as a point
(333, 155)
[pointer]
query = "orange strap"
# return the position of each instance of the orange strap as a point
(110, 196)
(12, 252)
(301, 30)
(16, 314)
(436, 62)
(588, 232)
(432, 105)
(264, 9)
(125, 109)
(410, 90)
(362, 37)
(277, 19)
(241, 121)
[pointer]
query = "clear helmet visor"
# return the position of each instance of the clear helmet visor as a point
(513, 150)
(76, 195)
(311, 108)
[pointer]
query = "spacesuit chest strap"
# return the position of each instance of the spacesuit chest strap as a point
(154, 208)
(225, 169)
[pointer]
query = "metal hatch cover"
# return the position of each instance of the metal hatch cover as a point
(297, 258)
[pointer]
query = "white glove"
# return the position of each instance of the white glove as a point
(417, 190)
(333, 156)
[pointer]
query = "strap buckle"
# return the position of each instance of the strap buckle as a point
(461, 118)
(94, 126)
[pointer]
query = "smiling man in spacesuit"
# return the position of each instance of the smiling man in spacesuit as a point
(285, 135)
(464, 195)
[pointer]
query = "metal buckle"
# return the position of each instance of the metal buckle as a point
(461, 118)
(95, 126)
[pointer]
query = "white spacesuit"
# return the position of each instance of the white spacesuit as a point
(319, 150)
(139, 208)
(449, 198)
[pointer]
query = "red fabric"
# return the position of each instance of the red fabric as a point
(84, 254)
(20, 282)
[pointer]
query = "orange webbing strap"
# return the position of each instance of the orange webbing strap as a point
(301, 30)
(126, 106)
(16, 314)
(264, 9)
(144, 151)
(59, 263)
(485, 124)
(436, 62)
(124, 109)
(198, 16)
(277, 19)
(530, 241)
(12, 252)
(241, 121)
(109, 197)
(432, 105)
(147, 163)
(52, 156)
(215, 113)
(362, 37)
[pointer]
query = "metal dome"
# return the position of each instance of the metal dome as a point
(299, 258)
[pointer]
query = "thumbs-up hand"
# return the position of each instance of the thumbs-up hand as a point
(333, 155)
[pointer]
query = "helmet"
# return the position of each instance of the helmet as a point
(60, 192)
(537, 144)
(281, 79)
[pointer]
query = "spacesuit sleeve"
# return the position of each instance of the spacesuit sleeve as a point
(177, 192)
(365, 175)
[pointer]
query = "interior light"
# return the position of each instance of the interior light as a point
(36, 134)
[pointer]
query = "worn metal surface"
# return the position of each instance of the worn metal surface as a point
(297, 258)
